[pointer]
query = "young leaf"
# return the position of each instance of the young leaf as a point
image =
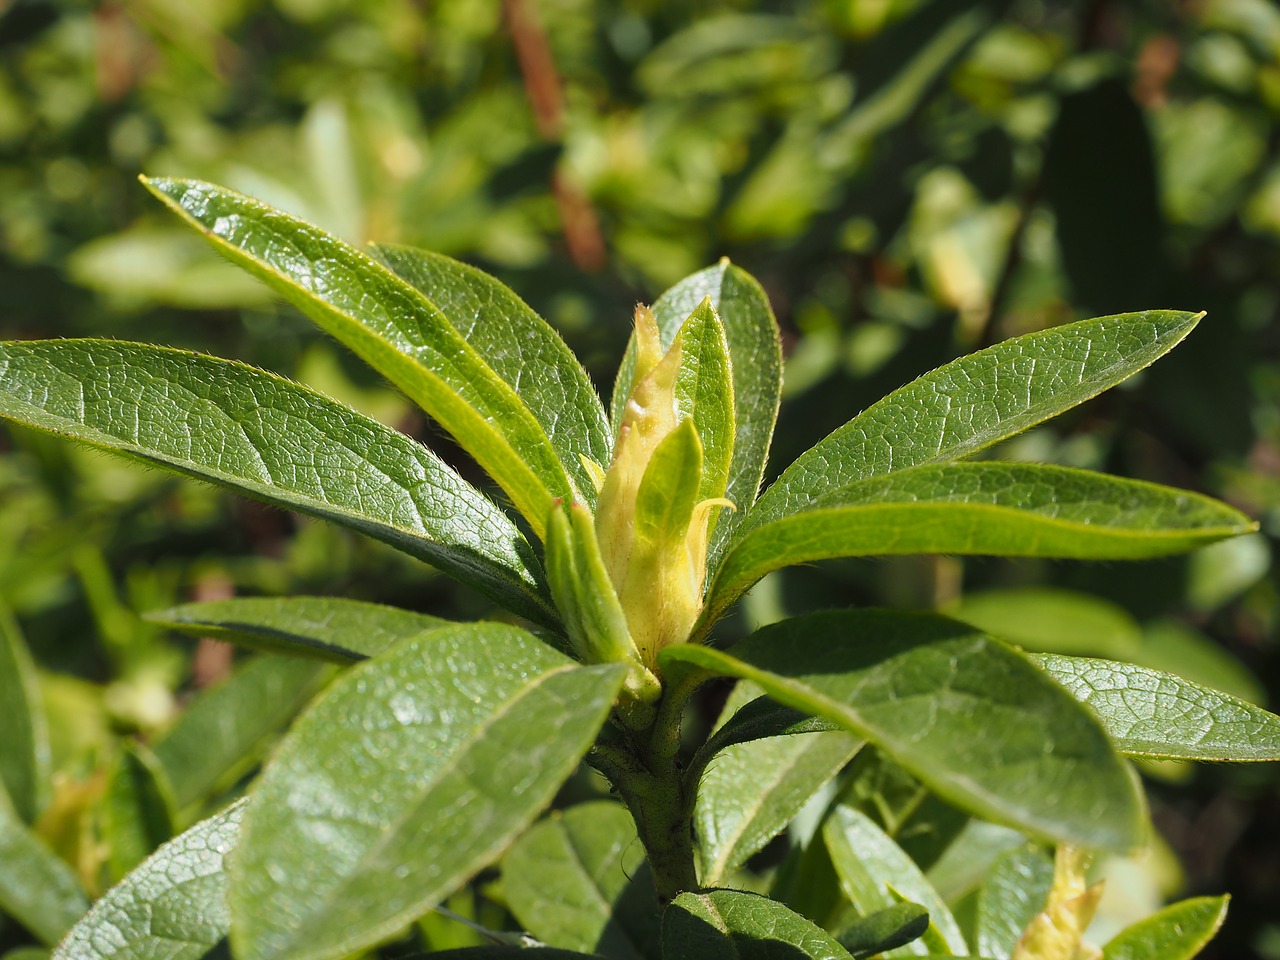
(975, 401)
(225, 730)
(323, 628)
(755, 352)
(875, 874)
(137, 810)
(392, 327)
(1148, 713)
(413, 771)
(752, 790)
(172, 906)
(520, 347)
(731, 925)
(704, 394)
(24, 748)
(36, 888)
(1012, 895)
(1178, 932)
(968, 716)
(266, 437)
(566, 879)
(999, 509)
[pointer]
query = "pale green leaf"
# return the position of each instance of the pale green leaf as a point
(37, 889)
(876, 874)
(324, 628)
(755, 353)
(1148, 713)
(975, 401)
(731, 925)
(1178, 932)
(225, 730)
(520, 347)
(998, 509)
(1015, 890)
(173, 906)
(967, 715)
(566, 879)
(271, 439)
(704, 394)
(391, 326)
(24, 747)
(751, 791)
(412, 772)
(1053, 620)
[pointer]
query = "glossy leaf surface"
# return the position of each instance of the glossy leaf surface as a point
(24, 746)
(412, 772)
(520, 347)
(1148, 713)
(391, 326)
(37, 888)
(751, 791)
(1013, 893)
(885, 929)
(876, 874)
(324, 628)
(975, 401)
(731, 925)
(263, 436)
(173, 906)
(968, 716)
(999, 509)
(225, 730)
(1178, 932)
(566, 878)
(755, 351)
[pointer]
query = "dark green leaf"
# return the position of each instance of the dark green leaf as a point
(730, 925)
(761, 718)
(36, 888)
(975, 401)
(566, 879)
(412, 772)
(137, 810)
(24, 747)
(999, 509)
(1014, 891)
(390, 325)
(518, 346)
(964, 713)
(226, 729)
(885, 929)
(1178, 932)
(325, 628)
(266, 437)
(510, 953)
(1148, 713)
(172, 906)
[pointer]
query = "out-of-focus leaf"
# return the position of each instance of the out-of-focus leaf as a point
(36, 888)
(1014, 892)
(172, 906)
(24, 746)
(347, 840)
(324, 628)
(730, 925)
(885, 929)
(137, 810)
(1050, 620)
(1178, 932)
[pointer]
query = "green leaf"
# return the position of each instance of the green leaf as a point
(566, 879)
(266, 437)
(1148, 713)
(323, 628)
(731, 925)
(975, 401)
(885, 929)
(751, 791)
(24, 747)
(875, 874)
(412, 772)
(1052, 620)
(704, 394)
(392, 327)
(761, 718)
(998, 509)
(172, 906)
(520, 347)
(755, 352)
(1178, 932)
(137, 810)
(227, 728)
(511, 953)
(36, 888)
(967, 715)
(1015, 890)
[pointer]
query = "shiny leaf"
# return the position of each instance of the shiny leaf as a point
(731, 925)
(1178, 932)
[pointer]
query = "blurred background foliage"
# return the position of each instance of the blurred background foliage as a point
(909, 179)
